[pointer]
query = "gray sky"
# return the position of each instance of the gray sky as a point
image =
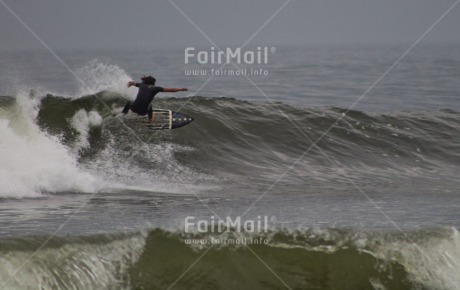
(150, 24)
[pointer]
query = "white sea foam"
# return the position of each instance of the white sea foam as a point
(436, 263)
(82, 121)
(146, 167)
(432, 261)
(32, 161)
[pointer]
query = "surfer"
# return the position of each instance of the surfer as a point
(147, 91)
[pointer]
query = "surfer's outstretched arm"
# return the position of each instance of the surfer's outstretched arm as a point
(174, 90)
(132, 83)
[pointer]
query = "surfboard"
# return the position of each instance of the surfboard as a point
(166, 120)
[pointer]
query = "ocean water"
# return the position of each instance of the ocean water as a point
(361, 197)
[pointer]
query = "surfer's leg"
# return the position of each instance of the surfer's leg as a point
(151, 115)
(126, 108)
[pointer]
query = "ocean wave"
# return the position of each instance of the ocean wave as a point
(291, 129)
(241, 136)
(306, 259)
(238, 135)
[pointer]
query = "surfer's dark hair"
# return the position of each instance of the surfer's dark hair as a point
(148, 80)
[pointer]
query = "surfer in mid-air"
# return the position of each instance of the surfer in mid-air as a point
(147, 91)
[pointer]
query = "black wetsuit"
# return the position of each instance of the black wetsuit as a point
(141, 104)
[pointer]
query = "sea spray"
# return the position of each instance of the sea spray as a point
(97, 76)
